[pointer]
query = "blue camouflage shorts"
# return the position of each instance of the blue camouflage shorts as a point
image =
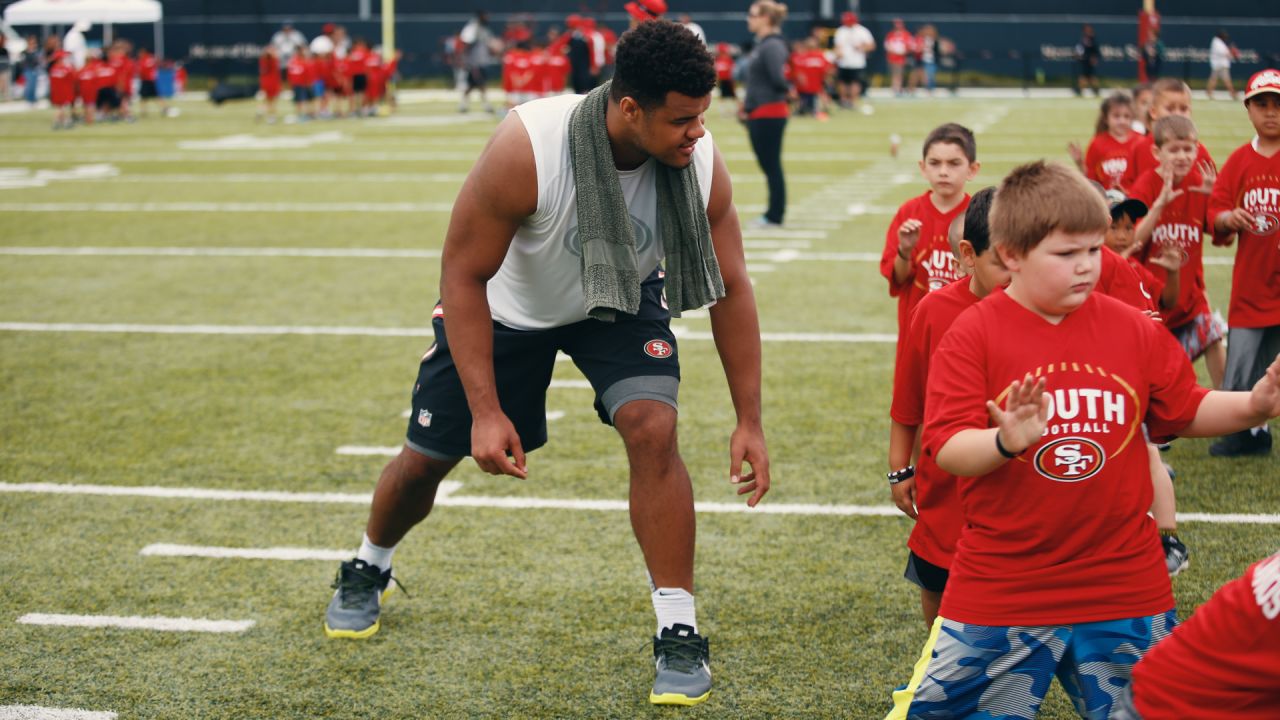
(984, 672)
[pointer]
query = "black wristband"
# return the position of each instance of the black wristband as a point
(1000, 448)
(902, 475)
(904, 257)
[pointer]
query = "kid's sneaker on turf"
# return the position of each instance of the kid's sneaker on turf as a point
(360, 589)
(1176, 555)
(1245, 442)
(684, 677)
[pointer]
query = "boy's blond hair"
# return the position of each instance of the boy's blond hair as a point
(1038, 198)
(1173, 127)
(1168, 85)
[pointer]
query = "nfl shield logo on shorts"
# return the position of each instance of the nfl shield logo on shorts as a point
(660, 349)
(424, 418)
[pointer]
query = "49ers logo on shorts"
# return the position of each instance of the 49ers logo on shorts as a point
(1070, 459)
(660, 349)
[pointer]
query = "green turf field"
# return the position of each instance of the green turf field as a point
(206, 258)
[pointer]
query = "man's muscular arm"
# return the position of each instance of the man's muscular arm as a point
(736, 329)
(498, 194)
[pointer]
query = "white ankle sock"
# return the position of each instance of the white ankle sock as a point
(674, 606)
(374, 555)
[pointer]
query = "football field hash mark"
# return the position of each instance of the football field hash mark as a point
(36, 712)
(276, 553)
(135, 622)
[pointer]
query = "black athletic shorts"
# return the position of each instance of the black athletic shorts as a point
(147, 89)
(633, 358)
(108, 99)
(849, 76)
(727, 89)
(359, 83)
(926, 574)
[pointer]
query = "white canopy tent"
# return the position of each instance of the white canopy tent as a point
(98, 12)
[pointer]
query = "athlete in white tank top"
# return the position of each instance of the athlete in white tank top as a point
(539, 285)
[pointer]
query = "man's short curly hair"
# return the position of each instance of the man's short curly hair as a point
(658, 57)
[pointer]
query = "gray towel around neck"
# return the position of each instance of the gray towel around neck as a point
(610, 278)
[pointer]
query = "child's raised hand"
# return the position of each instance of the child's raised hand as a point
(1026, 413)
(1168, 257)
(1208, 175)
(1239, 220)
(1077, 155)
(1167, 193)
(1265, 397)
(908, 235)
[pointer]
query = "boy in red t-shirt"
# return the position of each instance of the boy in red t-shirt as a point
(922, 491)
(1178, 219)
(809, 70)
(62, 89)
(269, 82)
(724, 71)
(1246, 202)
(1108, 155)
(87, 82)
(1038, 412)
(897, 45)
(917, 256)
(1223, 662)
(1169, 96)
(300, 72)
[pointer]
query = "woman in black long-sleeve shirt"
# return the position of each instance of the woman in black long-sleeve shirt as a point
(765, 107)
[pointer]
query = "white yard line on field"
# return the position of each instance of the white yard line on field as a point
(680, 331)
(165, 624)
(37, 712)
(446, 496)
(274, 553)
(228, 207)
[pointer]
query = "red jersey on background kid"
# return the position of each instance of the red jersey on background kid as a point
(809, 71)
(557, 73)
(896, 46)
(124, 67)
(1252, 182)
(374, 71)
(932, 265)
(1142, 158)
(300, 72)
(724, 67)
(269, 74)
(517, 71)
(1224, 661)
(1061, 534)
(62, 83)
(1127, 281)
(87, 79)
(1182, 224)
(1107, 159)
(939, 518)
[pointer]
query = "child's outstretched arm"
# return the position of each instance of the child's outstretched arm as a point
(1221, 413)
(971, 453)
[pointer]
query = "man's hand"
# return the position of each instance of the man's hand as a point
(1021, 424)
(908, 236)
(747, 444)
(904, 496)
(1265, 396)
(491, 439)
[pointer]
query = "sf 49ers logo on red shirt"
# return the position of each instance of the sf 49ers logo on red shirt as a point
(1265, 223)
(1070, 459)
(660, 349)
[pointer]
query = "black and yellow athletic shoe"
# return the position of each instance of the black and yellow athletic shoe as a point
(684, 674)
(359, 591)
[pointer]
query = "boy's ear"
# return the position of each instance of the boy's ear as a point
(1155, 151)
(1007, 258)
(921, 163)
(974, 167)
(968, 256)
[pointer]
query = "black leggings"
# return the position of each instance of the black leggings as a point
(766, 142)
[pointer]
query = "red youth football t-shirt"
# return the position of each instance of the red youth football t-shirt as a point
(932, 266)
(939, 519)
(1060, 534)
(1182, 225)
(1251, 181)
(1107, 159)
(1121, 280)
(1224, 661)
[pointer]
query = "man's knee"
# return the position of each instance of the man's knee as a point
(415, 469)
(648, 427)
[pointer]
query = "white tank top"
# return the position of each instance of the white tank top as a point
(539, 285)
